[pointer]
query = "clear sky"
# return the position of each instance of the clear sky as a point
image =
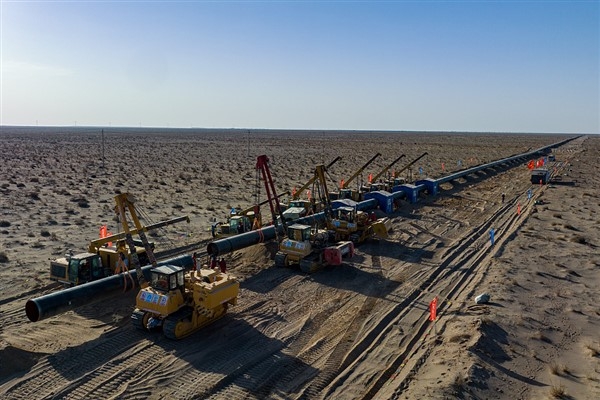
(501, 66)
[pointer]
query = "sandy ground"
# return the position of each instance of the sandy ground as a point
(351, 332)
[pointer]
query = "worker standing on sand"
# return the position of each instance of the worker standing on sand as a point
(195, 262)
(503, 196)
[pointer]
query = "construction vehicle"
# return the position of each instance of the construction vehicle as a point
(345, 192)
(540, 176)
(297, 207)
(178, 301)
(397, 179)
(240, 221)
(310, 247)
(347, 223)
(374, 183)
(101, 258)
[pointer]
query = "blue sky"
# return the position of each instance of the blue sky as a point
(501, 66)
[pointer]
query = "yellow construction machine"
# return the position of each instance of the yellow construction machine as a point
(345, 192)
(297, 207)
(309, 247)
(181, 302)
(240, 221)
(178, 301)
(102, 257)
(348, 223)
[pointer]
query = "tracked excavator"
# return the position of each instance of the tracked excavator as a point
(345, 192)
(309, 247)
(177, 301)
(101, 259)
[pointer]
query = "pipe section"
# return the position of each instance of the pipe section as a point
(65, 300)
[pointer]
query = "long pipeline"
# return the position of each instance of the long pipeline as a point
(65, 300)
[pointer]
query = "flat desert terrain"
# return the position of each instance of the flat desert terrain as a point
(356, 331)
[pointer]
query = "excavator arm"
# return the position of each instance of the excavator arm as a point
(386, 169)
(96, 244)
(320, 171)
(312, 180)
(346, 183)
(410, 164)
(262, 203)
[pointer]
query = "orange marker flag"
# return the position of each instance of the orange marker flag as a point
(433, 309)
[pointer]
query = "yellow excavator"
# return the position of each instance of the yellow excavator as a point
(177, 301)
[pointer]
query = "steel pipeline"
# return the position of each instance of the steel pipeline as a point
(55, 303)
(237, 242)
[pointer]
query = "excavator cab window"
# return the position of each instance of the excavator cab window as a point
(160, 281)
(165, 282)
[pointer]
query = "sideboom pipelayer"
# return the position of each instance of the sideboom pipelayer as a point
(180, 299)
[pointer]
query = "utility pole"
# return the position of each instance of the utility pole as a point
(103, 149)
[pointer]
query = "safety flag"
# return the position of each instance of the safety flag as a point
(433, 309)
(531, 164)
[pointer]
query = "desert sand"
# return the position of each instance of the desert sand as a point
(357, 331)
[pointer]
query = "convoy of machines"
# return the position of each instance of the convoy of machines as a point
(298, 207)
(345, 192)
(178, 301)
(308, 246)
(102, 257)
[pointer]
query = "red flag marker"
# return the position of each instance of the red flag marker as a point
(433, 309)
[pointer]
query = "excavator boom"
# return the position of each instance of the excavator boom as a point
(96, 244)
(125, 202)
(346, 183)
(386, 169)
(312, 180)
(262, 164)
(410, 164)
